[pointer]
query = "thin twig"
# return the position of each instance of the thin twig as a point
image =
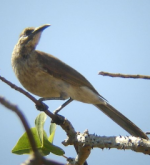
(19, 89)
(123, 75)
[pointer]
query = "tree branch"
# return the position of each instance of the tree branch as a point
(85, 142)
(123, 75)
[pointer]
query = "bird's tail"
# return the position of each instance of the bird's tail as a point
(121, 120)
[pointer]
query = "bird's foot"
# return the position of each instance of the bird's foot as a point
(41, 106)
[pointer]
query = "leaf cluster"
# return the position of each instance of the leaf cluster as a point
(43, 142)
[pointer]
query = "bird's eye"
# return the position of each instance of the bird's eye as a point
(28, 32)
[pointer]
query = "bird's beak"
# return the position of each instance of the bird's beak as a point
(35, 35)
(40, 29)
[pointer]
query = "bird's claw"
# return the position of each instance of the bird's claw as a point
(41, 106)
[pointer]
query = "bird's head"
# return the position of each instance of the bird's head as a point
(30, 36)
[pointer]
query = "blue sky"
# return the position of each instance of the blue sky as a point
(91, 36)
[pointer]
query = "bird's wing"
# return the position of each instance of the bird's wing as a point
(59, 69)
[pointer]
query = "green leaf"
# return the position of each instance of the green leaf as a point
(23, 145)
(52, 132)
(41, 139)
(39, 124)
(49, 147)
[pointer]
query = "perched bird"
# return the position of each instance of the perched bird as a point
(48, 77)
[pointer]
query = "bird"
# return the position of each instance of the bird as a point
(48, 77)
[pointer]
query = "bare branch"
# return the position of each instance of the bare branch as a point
(123, 75)
(19, 89)
(85, 142)
(119, 142)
